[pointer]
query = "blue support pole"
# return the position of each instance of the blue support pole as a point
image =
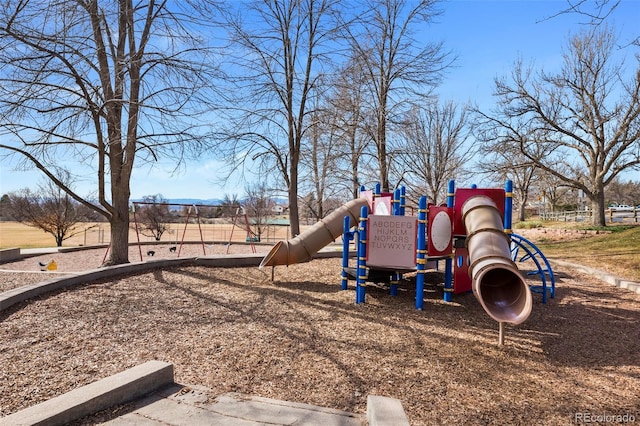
(395, 279)
(448, 263)
(448, 279)
(508, 206)
(398, 210)
(396, 202)
(451, 192)
(347, 237)
(361, 272)
(421, 251)
(378, 189)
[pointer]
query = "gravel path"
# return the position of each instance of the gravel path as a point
(28, 270)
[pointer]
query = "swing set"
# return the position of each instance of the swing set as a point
(192, 211)
(251, 238)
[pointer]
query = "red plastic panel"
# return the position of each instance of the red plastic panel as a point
(463, 194)
(439, 231)
(461, 278)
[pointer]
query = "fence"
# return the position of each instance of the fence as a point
(612, 216)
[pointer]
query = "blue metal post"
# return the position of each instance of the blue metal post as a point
(378, 189)
(347, 237)
(361, 272)
(396, 202)
(398, 210)
(421, 251)
(508, 206)
(448, 263)
(451, 192)
(395, 279)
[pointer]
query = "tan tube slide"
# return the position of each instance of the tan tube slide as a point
(305, 245)
(496, 280)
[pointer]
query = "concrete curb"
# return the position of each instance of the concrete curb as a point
(604, 276)
(9, 254)
(385, 411)
(83, 401)
(17, 295)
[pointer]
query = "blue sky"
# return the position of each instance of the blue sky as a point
(487, 36)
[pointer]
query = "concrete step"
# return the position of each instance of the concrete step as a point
(157, 400)
(179, 405)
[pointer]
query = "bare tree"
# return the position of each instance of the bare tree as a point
(230, 205)
(50, 209)
(553, 191)
(586, 117)
(258, 207)
(104, 84)
(320, 158)
(502, 160)
(345, 108)
(623, 192)
(596, 11)
(435, 148)
(523, 176)
(323, 158)
(397, 67)
(5, 207)
(280, 47)
(153, 215)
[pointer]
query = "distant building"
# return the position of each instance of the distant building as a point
(278, 209)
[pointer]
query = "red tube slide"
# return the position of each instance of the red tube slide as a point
(305, 245)
(496, 280)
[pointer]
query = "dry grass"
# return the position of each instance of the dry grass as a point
(615, 249)
(14, 234)
(302, 339)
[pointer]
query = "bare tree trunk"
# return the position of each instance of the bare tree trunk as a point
(521, 214)
(354, 179)
(598, 217)
(119, 221)
(294, 215)
(381, 143)
(119, 243)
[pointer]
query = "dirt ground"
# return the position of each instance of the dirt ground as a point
(302, 339)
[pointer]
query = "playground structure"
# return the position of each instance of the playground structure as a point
(471, 234)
